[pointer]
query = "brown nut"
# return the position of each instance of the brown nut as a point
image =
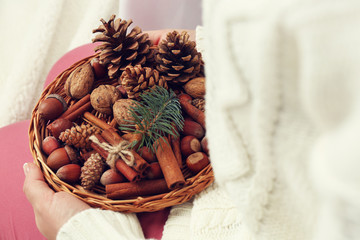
(121, 110)
(189, 145)
(195, 87)
(204, 145)
(52, 107)
(111, 176)
(103, 98)
(49, 144)
(193, 128)
(69, 173)
(80, 81)
(197, 161)
(57, 159)
(155, 171)
(72, 153)
(58, 126)
(99, 69)
(146, 154)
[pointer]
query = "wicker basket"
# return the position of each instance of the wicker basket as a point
(37, 132)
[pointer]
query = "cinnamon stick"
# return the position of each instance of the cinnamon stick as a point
(78, 112)
(192, 111)
(77, 105)
(97, 121)
(169, 164)
(111, 136)
(143, 188)
(129, 173)
(175, 144)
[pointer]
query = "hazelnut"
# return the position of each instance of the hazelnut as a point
(99, 69)
(52, 107)
(155, 171)
(193, 128)
(195, 87)
(57, 159)
(189, 145)
(204, 145)
(197, 161)
(122, 91)
(146, 154)
(72, 153)
(103, 98)
(58, 126)
(121, 110)
(69, 173)
(49, 144)
(80, 81)
(111, 176)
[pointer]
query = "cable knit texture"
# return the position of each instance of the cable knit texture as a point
(114, 226)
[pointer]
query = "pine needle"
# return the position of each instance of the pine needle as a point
(156, 116)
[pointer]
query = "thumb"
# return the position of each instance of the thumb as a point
(35, 188)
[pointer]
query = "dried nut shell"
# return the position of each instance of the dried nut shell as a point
(103, 98)
(80, 82)
(195, 87)
(49, 144)
(121, 110)
(52, 107)
(197, 161)
(111, 176)
(57, 159)
(58, 126)
(69, 173)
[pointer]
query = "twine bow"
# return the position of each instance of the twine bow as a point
(115, 152)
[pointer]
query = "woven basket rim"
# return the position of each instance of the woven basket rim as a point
(37, 132)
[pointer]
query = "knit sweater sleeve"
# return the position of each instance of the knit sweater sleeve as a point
(94, 224)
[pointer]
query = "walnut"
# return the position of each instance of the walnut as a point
(195, 87)
(121, 110)
(103, 98)
(80, 81)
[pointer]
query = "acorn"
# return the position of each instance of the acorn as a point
(111, 176)
(146, 154)
(52, 107)
(189, 145)
(61, 157)
(58, 126)
(204, 145)
(49, 144)
(69, 173)
(100, 70)
(193, 128)
(197, 162)
(155, 171)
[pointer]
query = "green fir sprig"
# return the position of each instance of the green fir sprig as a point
(157, 115)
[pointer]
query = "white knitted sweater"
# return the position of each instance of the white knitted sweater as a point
(283, 125)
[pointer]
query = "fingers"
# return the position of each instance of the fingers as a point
(35, 188)
(156, 35)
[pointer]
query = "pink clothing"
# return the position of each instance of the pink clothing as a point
(17, 218)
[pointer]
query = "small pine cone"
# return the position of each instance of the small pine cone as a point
(199, 103)
(78, 136)
(139, 79)
(91, 171)
(119, 49)
(177, 58)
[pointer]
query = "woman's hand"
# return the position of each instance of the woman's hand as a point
(52, 210)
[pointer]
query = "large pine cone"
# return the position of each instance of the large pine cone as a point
(139, 79)
(78, 136)
(177, 58)
(91, 171)
(119, 49)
